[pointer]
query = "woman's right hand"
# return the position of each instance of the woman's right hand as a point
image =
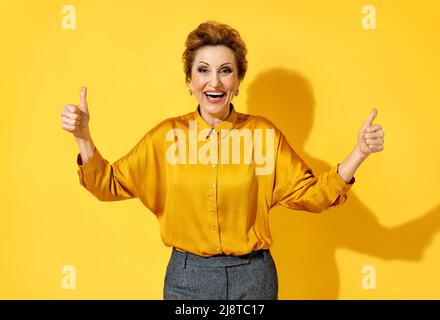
(75, 118)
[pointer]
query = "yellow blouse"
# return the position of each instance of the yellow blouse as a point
(207, 206)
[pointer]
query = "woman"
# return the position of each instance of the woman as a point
(212, 206)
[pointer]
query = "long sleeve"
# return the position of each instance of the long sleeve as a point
(120, 180)
(212, 208)
(296, 187)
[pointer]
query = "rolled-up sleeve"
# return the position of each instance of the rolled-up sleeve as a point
(296, 186)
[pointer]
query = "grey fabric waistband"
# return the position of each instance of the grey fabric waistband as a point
(187, 258)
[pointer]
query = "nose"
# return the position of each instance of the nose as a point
(214, 80)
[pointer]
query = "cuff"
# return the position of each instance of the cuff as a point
(336, 180)
(91, 164)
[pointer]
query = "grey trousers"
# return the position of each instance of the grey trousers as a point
(221, 277)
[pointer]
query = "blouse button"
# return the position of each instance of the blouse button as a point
(213, 185)
(213, 165)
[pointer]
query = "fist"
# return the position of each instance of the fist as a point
(75, 118)
(370, 137)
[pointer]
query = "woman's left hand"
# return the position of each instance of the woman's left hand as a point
(370, 137)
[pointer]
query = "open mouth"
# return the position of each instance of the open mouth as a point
(214, 97)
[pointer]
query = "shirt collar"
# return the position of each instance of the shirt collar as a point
(228, 123)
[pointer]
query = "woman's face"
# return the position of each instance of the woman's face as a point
(214, 71)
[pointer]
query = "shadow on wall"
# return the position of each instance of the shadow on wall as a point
(305, 243)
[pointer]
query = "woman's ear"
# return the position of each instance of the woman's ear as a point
(191, 90)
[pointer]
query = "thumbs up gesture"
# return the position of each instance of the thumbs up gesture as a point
(75, 118)
(370, 137)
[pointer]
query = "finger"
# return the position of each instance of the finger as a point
(371, 117)
(372, 135)
(375, 148)
(374, 128)
(68, 127)
(71, 115)
(71, 108)
(69, 121)
(83, 98)
(376, 141)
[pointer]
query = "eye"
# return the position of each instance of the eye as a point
(227, 69)
(202, 70)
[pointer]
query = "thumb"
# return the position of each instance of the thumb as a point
(370, 118)
(83, 99)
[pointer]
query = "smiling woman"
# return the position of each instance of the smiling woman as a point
(214, 213)
(214, 65)
(212, 33)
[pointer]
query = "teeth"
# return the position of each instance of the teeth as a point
(214, 94)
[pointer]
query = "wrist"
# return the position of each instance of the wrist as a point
(83, 137)
(85, 142)
(359, 154)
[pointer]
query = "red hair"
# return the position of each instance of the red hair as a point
(212, 33)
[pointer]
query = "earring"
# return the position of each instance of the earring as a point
(236, 93)
(190, 92)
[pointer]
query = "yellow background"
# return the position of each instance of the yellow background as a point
(313, 70)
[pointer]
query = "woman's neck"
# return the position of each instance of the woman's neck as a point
(215, 119)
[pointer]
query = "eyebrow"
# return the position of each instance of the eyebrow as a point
(220, 65)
